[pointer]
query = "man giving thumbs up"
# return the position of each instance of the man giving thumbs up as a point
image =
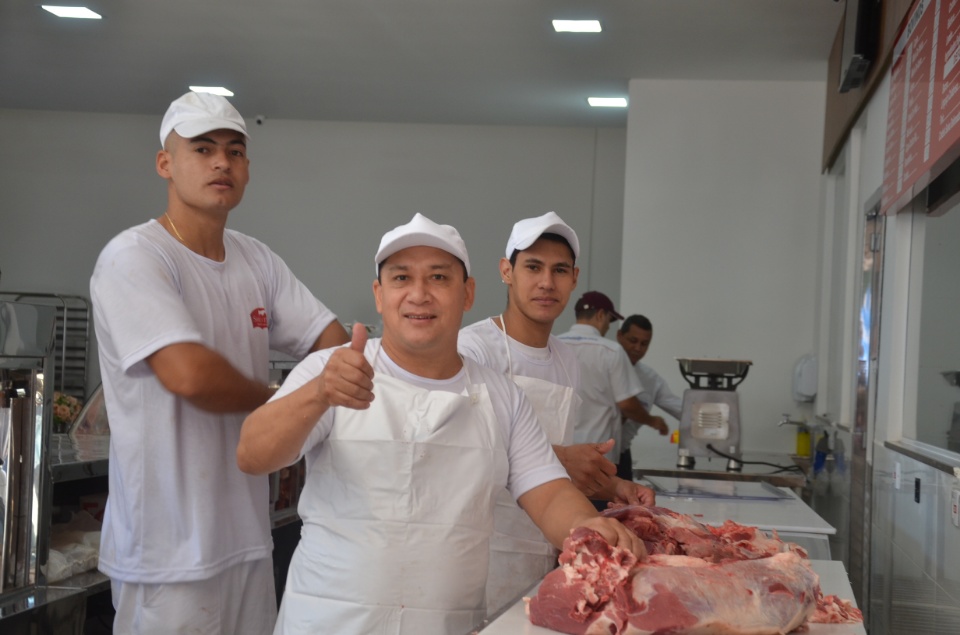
(406, 446)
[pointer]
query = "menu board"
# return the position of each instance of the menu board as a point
(923, 120)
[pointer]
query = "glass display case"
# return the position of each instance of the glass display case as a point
(27, 371)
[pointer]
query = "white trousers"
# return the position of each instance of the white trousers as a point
(240, 601)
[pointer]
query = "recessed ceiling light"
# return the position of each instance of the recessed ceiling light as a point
(216, 90)
(71, 12)
(576, 26)
(607, 102)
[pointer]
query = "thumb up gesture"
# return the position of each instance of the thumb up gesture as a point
(347, 379)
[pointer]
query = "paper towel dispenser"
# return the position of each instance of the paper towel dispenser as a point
(805, 379)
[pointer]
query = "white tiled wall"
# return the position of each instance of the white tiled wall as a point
(915, 550)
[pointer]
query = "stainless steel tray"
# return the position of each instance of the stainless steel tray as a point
(708, 488)
(703, 366)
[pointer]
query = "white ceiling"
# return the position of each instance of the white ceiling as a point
(427, 61)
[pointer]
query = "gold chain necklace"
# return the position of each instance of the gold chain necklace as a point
(174, 228)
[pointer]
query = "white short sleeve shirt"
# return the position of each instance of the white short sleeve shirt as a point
(179, 507)
(606, 378)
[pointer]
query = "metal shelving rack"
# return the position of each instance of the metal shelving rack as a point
(72, 338)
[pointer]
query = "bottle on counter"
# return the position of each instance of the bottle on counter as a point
(803, 441)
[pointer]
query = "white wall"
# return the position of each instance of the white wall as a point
(720, 234)
(321, 195)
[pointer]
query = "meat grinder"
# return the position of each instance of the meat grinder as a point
(710, 415)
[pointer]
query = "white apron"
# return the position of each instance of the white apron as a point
(519, 553)
(400, 513)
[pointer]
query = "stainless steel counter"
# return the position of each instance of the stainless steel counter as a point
(792, 519)
(78, 457)
(61, 606)
(665, 464)
(56, 608)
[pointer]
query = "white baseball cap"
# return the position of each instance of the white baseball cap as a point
(193, 114)
(422, 232)
(527, 231)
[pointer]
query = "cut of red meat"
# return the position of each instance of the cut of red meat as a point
(591, 578)
(689, 595)
(601, 589)
(667, 532)
(727, 580)
(833, 610)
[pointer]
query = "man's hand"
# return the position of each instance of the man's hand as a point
(632, 408)
(658, 424)
(347, 379)
(617, 535)
(631, 493)
(587, 466)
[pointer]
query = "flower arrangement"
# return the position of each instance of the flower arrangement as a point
(65, 410)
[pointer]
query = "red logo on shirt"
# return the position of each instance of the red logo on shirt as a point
(259, 318)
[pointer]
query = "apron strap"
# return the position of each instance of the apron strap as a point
(506, 343)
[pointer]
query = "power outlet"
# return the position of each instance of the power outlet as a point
(896, 475)
(955, 507)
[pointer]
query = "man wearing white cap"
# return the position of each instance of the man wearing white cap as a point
(406, 445)
(540, 272)
(186, 312)
(610, 387)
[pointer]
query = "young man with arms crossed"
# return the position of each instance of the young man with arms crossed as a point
(186, 312)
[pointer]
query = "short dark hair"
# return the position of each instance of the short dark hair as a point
(465, 276)
(554, 238)
(640, 321)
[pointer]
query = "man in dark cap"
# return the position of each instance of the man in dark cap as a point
(609, 386)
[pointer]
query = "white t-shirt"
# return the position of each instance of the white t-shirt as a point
(531, 459)
(606, 378)
(484, 342)
(179, 509)
(657, 393)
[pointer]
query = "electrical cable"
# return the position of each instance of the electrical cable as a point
(780, 468)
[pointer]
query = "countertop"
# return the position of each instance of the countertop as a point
(665, 464)
(74, 457)
(787, 514)
(833, 580)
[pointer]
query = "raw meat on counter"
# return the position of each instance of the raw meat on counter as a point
(666, 532)
(834, 610)
(728, 580)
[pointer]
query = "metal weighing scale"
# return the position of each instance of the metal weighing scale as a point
(710, 416)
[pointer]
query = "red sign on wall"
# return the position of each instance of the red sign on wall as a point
(923, 121)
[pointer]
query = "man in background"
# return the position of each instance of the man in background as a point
(186, 312)
(609, 387)
(539, 271)
(635, 335)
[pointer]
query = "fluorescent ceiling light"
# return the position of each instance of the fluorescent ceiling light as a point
(607, 102)
(71, 12)
(576, 26)
(215, 90)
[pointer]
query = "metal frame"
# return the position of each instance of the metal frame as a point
(72, 338)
